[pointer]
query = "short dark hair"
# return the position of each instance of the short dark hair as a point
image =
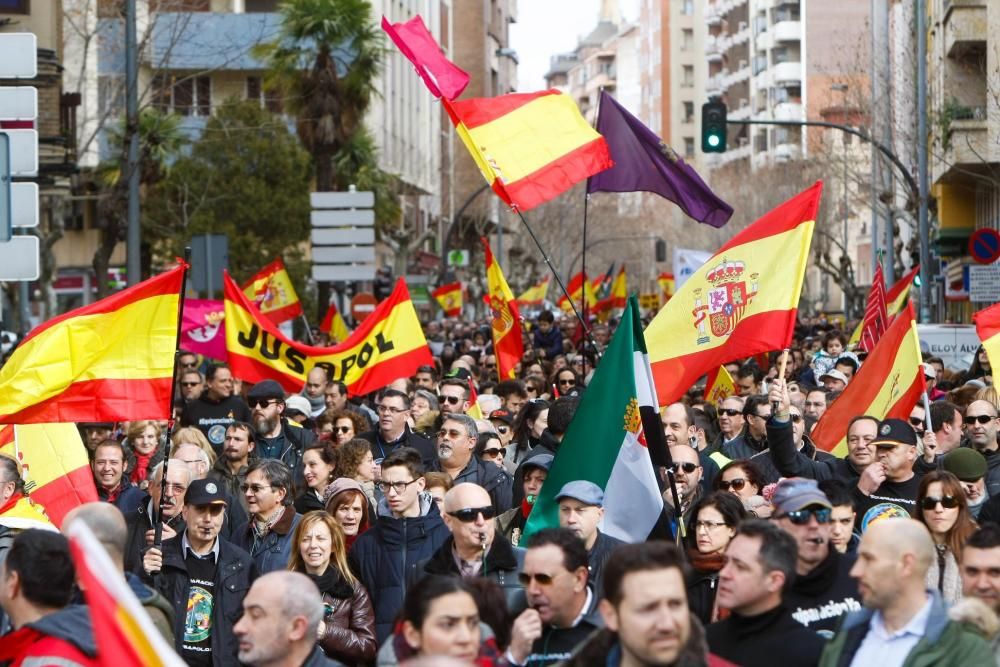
(422, 595)
(406, 457)
(837, 492)
(987, 537)
(341, 387)
(725, 503)
(427, 369)
(858, 418)
(455, 382)
(821, 390)
(242, 426)
(846, 361)
(942, 412)
(778, 550)
(44, 566)
(753, 472)
(546, 316)
(395, 393)
(750, 370)
(572, 546)
(111, 442)
(213, 369)
(508, 387)
(642, 557)
(752, 403)
(277, 474)
(561, 414)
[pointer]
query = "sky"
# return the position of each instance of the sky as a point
(547, 27)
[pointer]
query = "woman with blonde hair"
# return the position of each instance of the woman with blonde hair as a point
(189, 435)
(347, 632)
(941, 506)
(143, 441)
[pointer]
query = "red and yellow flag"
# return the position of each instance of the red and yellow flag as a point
(333, 324)
(508, 344)
(123, 631)
(739, 303)
(888, 384)
(988, 327)
(896, 298)
(719, 386)
(579, 288)
(475, 410)
(388, 345)
(876, 320)
(110, 361)
(619, 290)
(271, 290)
(54, 466)
(449, 297)
(530, 147)
(535, 295)
(666, 282)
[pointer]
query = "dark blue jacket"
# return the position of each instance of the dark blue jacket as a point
(382, 555)
(130, 498)
(273, 552)
(550, 341)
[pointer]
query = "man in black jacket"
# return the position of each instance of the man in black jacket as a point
(274, 436)
(393, 432)
(778, 427)
(141, 523)
(216, 408)
(204, 577)
(581, 508)
(456, 442)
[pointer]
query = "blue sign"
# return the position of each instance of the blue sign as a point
(984, 246)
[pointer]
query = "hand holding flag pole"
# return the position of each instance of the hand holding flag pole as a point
(781, 377)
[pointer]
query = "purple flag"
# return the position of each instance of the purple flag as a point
(644, 163)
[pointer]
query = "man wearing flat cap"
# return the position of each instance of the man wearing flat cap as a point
(275, 437)
(890, 479)
(970, 467)
(204, 577)
(581, 509)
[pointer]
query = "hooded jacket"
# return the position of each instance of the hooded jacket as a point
(382, 555)
(819, 600)
(64, 637)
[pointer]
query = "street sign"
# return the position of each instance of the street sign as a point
(24, 204)
(349, 217)
(343, 254)
(363, 305)
(23, 152)
(18, 55)
(343, 236)
(984, 283)
(18, 103)
(349, 199)
(458, 258)
(19, 258)
(209, 257)
(6, 205)
(984, 246)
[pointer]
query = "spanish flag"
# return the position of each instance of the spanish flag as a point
(54, 464)
(124, 633)
(530, 147)
(475, 410)
(333, 324)
(271, 290)
(579, 288)
(619, 290)
(388, 345)
(666, 282)
(110, 361)
(741, 302)
(719, 386)
(888, 384)
(535, 295)
(508, 344)
(896, 299)
(988, 327)
(449, 297)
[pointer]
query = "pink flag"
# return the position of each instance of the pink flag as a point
(203, 330)
(443, 77)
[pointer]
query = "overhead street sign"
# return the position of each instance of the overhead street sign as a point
(19, 258)
(18, 55)
(343, 236)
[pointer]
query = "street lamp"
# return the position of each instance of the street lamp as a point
(842, 88)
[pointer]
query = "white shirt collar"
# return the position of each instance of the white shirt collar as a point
(917, 626)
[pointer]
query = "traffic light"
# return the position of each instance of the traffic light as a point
(661, 250)
(713, 126)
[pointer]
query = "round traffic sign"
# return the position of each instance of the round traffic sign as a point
(984, 246)
(362, 305)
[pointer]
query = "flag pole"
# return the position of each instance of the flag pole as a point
(583, 260)
(309, 333)
(781, 376)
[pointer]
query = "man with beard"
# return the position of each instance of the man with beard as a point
(142, 522)
(231, 467)
(274, 436)
(216, 407)
(456, 441)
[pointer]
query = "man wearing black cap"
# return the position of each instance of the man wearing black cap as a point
(216, 408)
(204, 577)
(275, 436)
(890, 479)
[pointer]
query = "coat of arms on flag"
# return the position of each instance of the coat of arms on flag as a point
(727, 299)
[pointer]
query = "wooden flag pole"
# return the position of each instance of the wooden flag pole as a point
(781, 376)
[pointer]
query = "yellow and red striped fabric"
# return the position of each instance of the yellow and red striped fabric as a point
(719, 386)
(896, 298)
(272, 291)
(666, 282)
(333, 324)
(988, 327)
(110, 361)
(741, 302)
(535, 295)
(54, 464)
(508, 343)
(388, 345)
(449, 297)
(579, 288)
(530, 147)
(888, 384)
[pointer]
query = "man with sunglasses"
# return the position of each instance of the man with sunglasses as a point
(731, 421)
(191, 385)
(890, 479)
(777, 429)
(823, 589)
(455, 445)
(981, 424)
(474, 548)
(216, 407)
(393, 431)
(453, 396)
(274, 436)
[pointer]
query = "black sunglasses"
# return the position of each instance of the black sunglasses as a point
(525, 579)
(729, 412)
(686, 467)
(260, 402)
(737, 484)
(454, 400)
(931, 502)
(469, 514)
(342, 429)
(801, 517)
(982, 419)
(492, 452)
(916, 421)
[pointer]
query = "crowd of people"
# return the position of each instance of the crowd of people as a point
(320, 528)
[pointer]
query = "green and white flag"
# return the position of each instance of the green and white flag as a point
(604, 443)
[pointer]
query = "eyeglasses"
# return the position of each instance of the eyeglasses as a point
(916, 421)
(569, 382)
(796, 418)
(470, 514)
(492, 452)
(491, 365)
(189, 364)
(801, 517)
(388, 410)
(455, 433)
(342, 429)
(398, 487)
(736, 484)
(525, 578)
(190, 384)
(261, 402)
(708, 525)
(686, 467)
(452, 400)
(762, 417)
(255, 488)
(931, 502)
(729, 412)
(982, 419)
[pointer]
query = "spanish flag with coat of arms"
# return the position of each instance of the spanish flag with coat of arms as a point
(272, 291)
(508, 343)
(741, 302)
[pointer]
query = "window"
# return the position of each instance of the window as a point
(689, 147)
(687, 39)
(689, 112)
(687, 78)
(779, 54)
(687, 7)
(110, 94)
(184, 95)
(15, 6)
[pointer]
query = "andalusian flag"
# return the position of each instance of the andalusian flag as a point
(123, 631)
(110, 361)
(333, 324)
(55, 466)
(388, 345)
(741, 302)
(579, 288)
(719, 386)
(508, 344)
(896, 299)
(535, 295)
(888, 384)
(666, 282)
(606, 442)
(988, 327)
(271, 290)
(530, 147)
(449, 297)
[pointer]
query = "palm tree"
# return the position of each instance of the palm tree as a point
(324, 64)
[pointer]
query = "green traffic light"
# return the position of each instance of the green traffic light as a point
(713, 140)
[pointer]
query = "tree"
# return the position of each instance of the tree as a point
(246, 177)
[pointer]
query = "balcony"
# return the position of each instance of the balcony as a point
(208, 41)
(742, 113)
(764, 41)
(788, 111)
(787, 152)
(742, 74)
(965, 26)
(968, 142)
(741, 37)
(786, 73)
(787, 31)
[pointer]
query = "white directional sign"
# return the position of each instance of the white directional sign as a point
(18, 55)
(18, 103)
(19, 258)
(23, 152)
(343, 236)
(24, 204)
